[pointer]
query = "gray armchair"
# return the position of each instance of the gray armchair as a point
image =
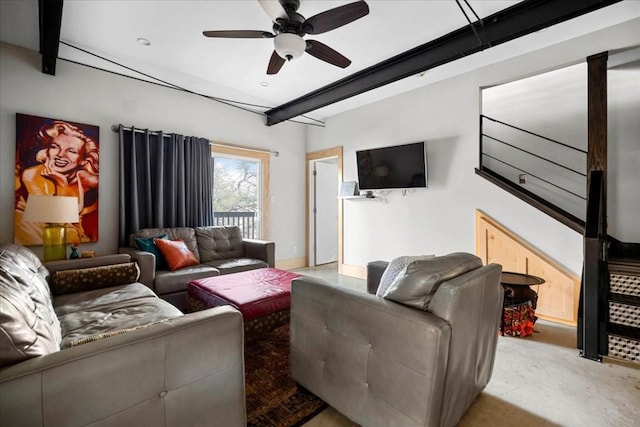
(381, 363)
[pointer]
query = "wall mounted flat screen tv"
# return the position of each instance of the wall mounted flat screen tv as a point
(395, 167)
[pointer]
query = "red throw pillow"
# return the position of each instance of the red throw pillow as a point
(176, 253)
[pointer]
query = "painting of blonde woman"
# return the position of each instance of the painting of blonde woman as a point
(58, 158)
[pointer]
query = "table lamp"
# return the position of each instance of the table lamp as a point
(55, 212)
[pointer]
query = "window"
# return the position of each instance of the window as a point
(240, 189)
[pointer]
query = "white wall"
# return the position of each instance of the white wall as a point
(87, 95)
(440, 219)
(552, 105)
(623, 174)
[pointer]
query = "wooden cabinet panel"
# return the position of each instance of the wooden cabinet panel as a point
(557, 297)
(502, 250)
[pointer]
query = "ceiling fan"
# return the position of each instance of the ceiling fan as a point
(289, 27)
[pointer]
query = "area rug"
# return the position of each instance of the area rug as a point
(272, 396)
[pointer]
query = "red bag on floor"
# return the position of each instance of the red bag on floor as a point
(518, 320)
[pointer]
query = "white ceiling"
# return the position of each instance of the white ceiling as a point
(235, 68)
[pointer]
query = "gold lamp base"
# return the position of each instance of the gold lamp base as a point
(54, 240)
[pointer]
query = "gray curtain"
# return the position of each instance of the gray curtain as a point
(166, 180)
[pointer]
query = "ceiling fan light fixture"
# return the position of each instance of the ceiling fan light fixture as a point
(289, 46)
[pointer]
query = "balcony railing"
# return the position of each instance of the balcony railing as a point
(247, 221)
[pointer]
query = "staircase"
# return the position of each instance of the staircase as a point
(609, 313)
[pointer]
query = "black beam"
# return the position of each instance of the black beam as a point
(521, 19)
(50, 19)
(593, 292)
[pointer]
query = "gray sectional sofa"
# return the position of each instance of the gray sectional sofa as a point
(219, 250)
(83, 343)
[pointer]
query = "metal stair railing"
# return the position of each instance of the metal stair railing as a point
(550, 169)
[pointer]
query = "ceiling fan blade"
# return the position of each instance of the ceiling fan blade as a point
(325, 53)
(240, 34)
(275, 63)
(274, 10)
(334, 18)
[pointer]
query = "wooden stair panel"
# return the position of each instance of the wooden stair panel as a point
(558, 297)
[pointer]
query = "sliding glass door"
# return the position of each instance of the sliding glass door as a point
(240, 187)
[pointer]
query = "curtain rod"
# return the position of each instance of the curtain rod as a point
(116, 129)
(240, 147)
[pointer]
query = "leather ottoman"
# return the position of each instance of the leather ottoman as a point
(263, 296)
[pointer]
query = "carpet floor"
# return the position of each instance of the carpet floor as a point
(272, 396)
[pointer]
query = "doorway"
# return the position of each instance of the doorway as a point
(323, 205)
(324, 208)
(241, 190)
(236, 194)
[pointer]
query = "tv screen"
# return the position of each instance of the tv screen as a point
(399, 166)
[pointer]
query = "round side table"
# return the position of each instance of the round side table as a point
(518, 291)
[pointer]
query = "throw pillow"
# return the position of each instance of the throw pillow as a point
(147, 244)
(394, 268)
(87, 279)
(420, 280)
(29, 326)
(176, 254)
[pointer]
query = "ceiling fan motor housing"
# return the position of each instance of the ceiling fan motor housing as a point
(291, 25)
(288, 42)
(290, 5)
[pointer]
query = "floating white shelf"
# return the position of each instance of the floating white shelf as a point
(360, 197)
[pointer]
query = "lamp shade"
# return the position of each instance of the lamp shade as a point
(289, 46)
(51, 209)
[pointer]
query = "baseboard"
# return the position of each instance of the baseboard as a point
(290, 264)
(556, 320)
(356, 271)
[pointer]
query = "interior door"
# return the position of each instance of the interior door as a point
(324, 210)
